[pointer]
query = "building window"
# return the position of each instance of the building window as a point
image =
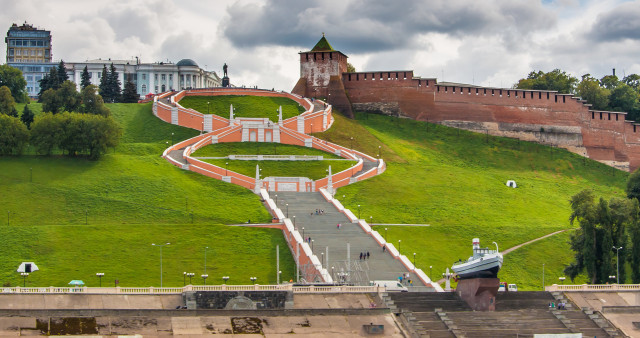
(18, 52)
(10, 51)
(170, 77)
(155, 77)
(144, 89)
(144, 78)
(164, 77)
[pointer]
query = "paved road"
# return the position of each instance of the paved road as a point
(323, 231)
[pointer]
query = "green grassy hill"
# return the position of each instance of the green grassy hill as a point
(455, 182)
(74, 217)
(245, 106)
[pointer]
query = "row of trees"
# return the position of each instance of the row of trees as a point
(609, 230)
(67, 98)
(606, 93)
(109, 84)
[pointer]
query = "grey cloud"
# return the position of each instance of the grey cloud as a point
(128, 23)
(623, 22)
(378, 25)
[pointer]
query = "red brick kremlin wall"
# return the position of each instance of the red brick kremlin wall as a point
(540, 116)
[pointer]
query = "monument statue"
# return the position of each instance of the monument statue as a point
(224, 69)
(225, 78)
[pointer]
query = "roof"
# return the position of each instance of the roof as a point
(323, 46)
(186, 62)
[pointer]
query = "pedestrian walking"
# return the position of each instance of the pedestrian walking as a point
(368, 255)
(384, 248)
(361, 256)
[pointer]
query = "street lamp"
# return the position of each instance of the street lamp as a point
(617, 264)
(253, 279)
(279, 273)
(276, 200)
(294, 220)
(385, 234)
(208, 107)
(414, 259)
(24, 278)
(205, 259)
(161, 246)
(190, 275)
(312, 245)
(171, 138)
(100, 275)
(542, 276)
(379, 150)
(204, 278)
(358, 211)
(399, 241)
(303, 233)
(226, 168)
(430, 267)
(287, 210)
(370, 220)
(184, 278)
(562, 279)
(225, 279)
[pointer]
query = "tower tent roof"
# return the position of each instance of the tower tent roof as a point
(323, 46)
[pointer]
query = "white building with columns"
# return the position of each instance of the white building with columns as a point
(149, 78)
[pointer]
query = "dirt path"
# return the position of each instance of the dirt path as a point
(519, 246)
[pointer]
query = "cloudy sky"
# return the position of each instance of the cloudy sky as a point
(489, 42)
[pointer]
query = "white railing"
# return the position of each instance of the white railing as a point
(179, 290)
(593, 287)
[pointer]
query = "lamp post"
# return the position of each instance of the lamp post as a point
(190, 275)
(204, 278)
(225, 279)
(322, 258)
(226, 168)
(562, 279)
(287, 210)
(161, 246)
(379, 150)
(385, 234)
(253, 279)
(399, 241)
(24, 278)
(358, 211)
(184, 278)
(171, 138)
(205, 259)
(208, 107)
(612, 277)
(100, 275)
(351, 138)
(617, 264)
(303, 233)
(414, 259)
(370, 220)
(312, 245)
(430, 267)
(276, 200)
(294, 220)
(542, 276)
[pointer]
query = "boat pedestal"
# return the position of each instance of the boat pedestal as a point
(479, 293)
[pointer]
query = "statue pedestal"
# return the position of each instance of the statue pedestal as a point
(225, 81)
(479, 293)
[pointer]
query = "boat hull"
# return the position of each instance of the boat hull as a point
(479, 268)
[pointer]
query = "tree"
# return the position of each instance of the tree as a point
(13, 135)
(554, 80)
(114, 85)
(590, 90)
(14, 80)
(49, 81)
(69, 96)
(633, 185)
(130, 94)
(92, 102)
(6, 101)
(46, 133)
(85, 78)
(609, 81)
(27, 116)
(104, 84)
(633, 81)
(62, 73)
(624, 98)
(350, 68)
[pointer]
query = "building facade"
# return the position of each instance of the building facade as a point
(29, 50)
(27, 44)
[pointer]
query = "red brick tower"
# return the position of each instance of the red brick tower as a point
(321, 71)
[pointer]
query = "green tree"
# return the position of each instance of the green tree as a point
(49, 81)
(69, 96)
(13, 135)
(105, 90)
(51, 101)
(7, 104)
(62, 73)
(350, 68)
(46, 133)
(85, 78)
(14, 80)
(633, 81)
(554, 80)
(27, 116)
(114, 85)
(92, 102)
(589, 89)
(624, 98)
(633, 185)
(609, 81)
(130, 94)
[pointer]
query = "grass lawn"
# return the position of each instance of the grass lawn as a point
(255, 148)
(457, 185)
(129, 198)
(311, 169)
(245, 106)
